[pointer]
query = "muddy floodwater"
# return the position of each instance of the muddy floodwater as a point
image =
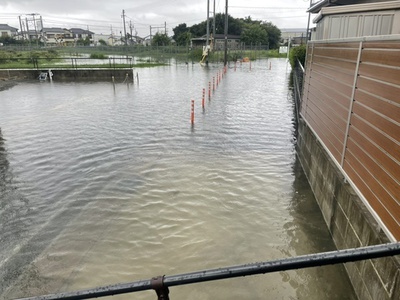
(104, 184)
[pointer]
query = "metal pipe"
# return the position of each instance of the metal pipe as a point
(304, 261)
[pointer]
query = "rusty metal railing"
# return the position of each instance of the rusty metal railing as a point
(161, 283)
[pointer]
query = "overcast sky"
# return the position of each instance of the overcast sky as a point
(102, 16)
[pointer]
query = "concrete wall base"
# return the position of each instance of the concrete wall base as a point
(71, 74)
(350, 223)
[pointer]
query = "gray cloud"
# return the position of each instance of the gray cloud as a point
(100, 15)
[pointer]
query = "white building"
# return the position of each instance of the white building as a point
(337, 19)
(7, 31)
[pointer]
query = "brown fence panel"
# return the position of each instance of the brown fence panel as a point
(327, 91)
(382, 106)
(332, 100)
(388, 145)
(384, 161)
(376, 203)
(350, 54)
(362, 116)
(323, 132)
(385, 73)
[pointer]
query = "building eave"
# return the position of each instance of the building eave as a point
(355, 8)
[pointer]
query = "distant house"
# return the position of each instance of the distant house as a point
(337, 19)
(147, 41)
(98, 37)
(219, 42)
(78, 33)
(297, 36)
(57, 36)
(7, 31)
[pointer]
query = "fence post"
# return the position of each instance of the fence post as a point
(351, 104)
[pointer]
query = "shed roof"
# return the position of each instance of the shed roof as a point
(7, 27)
(80, 31)
(54, 30)
(315, 8)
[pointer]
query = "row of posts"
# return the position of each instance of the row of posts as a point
(212, 86)
(215, 83)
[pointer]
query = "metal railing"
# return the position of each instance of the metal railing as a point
(297, 75)
(161, 283)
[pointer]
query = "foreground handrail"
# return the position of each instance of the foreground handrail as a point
(161, 283)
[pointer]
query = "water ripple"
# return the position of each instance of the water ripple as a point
(101, 186)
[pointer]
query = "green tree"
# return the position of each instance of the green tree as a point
(248, 20)
(160, 39)
(254, 34)
(184, 39)
(178, 30)
(274, 35)
(234, 25)
(297, 53)
(102, 42)
(198, 30)
(83, 42)
(8, 40)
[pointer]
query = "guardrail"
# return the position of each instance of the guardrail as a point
(161, 283)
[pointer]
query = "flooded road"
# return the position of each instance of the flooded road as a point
(103, 185)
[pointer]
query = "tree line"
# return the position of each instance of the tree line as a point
(251, 32)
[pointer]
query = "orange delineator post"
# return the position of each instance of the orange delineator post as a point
(192, 113)
(209, 90)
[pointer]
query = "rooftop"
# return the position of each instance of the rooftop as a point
(7, 27)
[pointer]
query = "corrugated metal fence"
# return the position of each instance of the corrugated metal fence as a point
(351, 100)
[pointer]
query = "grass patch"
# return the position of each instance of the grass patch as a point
(98, 56)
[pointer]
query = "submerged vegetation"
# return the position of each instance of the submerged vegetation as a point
(121, 56)
(98, 56)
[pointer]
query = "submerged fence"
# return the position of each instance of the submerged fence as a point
(38, 57)
(112, 62)
(161, 283)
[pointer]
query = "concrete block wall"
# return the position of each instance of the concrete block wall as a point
(349, 221)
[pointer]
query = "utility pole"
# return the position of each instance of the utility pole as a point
(208, 31)
(112, 36)
(22, 30)
(27, 29)
(214, 22)
(226, 34)
(308, 24)
(43, 35)
(159, 27)
(150, 33)
(123, 19)
(130, 27)
(208, 22)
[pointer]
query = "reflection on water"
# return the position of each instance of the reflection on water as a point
(114, 185)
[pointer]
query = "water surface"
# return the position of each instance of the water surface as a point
(104, 184)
